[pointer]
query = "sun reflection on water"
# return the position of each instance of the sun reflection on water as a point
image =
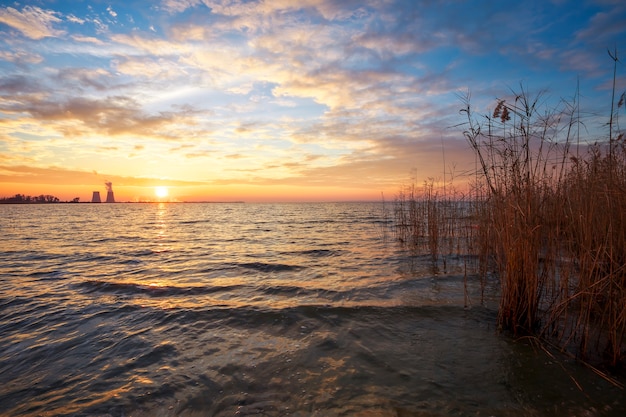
(162, 228)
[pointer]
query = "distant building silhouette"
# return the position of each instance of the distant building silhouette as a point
(95, 198)
(110, 196)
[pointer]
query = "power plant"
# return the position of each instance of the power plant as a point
(110, 196)
(95, 197)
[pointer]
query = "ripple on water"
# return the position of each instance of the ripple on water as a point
(275, 310)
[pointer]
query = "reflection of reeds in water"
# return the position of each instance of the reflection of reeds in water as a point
(548, 218)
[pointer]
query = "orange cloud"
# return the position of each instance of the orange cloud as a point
(22, 174)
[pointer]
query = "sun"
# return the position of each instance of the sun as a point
(161, 192)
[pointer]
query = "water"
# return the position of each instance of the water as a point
(256, 309)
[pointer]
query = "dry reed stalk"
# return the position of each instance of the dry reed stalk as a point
(554, 225)
(550, 224)
(432, 221)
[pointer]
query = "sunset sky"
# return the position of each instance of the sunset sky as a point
(277, 100)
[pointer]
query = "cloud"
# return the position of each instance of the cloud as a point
(112, 116)
(95, 78)
(153, 68)
(199, 154)
(152, 45)
(581, 60)
(377, 168)
(605, 26)
(328, 9)
(87, 39)
(301, 59)
(111, 11)
(21, 57)
(33, 22)
(23, 174)
(18, 84)
(178, 6)
(278, 92)
(74, 19)
(337, 66)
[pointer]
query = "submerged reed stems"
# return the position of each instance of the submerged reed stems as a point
(431, 222)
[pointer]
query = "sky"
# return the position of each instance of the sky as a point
(312, 100)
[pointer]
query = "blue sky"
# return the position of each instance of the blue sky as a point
(278, 100)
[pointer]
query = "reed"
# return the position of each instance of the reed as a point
(594, 231)
(435, 219)
(546, 215)
(552, 224)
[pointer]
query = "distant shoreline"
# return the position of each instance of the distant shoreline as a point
(118, 202)
(181, 202)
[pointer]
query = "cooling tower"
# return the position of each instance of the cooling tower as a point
(110, 197)
(95, 198)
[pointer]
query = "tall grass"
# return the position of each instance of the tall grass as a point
(546, 215)
(430, 221)
(554, 224)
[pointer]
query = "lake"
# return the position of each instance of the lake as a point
(211, 309)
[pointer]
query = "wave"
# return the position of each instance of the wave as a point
(304, 318)
(319, 294)
(245, 294)
(274, 291)
(151, 290)
(197, 221)
(315, 253)
(269, 267)
(48, 275)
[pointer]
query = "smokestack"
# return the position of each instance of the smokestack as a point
(110, 196)
(95, 198)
